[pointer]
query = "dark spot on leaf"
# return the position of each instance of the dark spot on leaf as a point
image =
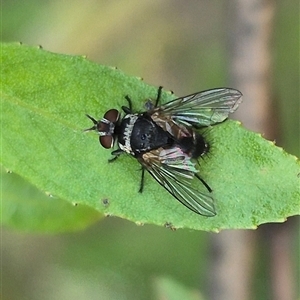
(105, 202)
(170, 226)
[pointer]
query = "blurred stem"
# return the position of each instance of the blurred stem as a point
(231, 265)
(250, 31)
(280, 237)
(250, 62)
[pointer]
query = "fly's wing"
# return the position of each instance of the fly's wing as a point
(203, 108)
(175, 171)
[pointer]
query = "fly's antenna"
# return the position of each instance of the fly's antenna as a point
(94, 121)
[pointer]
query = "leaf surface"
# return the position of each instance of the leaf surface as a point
(44, 99)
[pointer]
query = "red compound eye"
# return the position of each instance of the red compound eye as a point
(112, 115)
(106, 141)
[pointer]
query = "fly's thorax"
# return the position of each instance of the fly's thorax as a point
(147, 135)
(125, 132)
(138, 133)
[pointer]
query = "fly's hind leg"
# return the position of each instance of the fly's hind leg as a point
(142, 180)
(204, 183)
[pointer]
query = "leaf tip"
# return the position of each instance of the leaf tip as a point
(113, 68)
(139, 223)
(295, 158)
(8, 171)
(49, 194)
(169, 92)
(239, 123)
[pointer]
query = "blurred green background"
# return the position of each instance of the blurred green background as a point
(181, 45)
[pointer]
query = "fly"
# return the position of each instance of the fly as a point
(165, 141)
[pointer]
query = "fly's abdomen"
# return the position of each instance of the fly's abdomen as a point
(195, 145)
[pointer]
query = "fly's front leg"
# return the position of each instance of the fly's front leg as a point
(128, 110)
(116, 154)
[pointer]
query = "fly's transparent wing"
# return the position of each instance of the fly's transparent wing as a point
(174, 170)
(203, 108)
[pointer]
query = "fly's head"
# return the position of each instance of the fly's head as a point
(106, 127)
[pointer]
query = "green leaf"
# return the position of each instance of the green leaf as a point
(27, 208)
(44, 99)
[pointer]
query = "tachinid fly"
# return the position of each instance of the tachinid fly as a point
(165, 142)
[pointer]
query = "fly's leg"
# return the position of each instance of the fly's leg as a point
(142, 181)
(149, 106)
(158, 96)
(116, 154)
(128, 110)
(204, 183)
